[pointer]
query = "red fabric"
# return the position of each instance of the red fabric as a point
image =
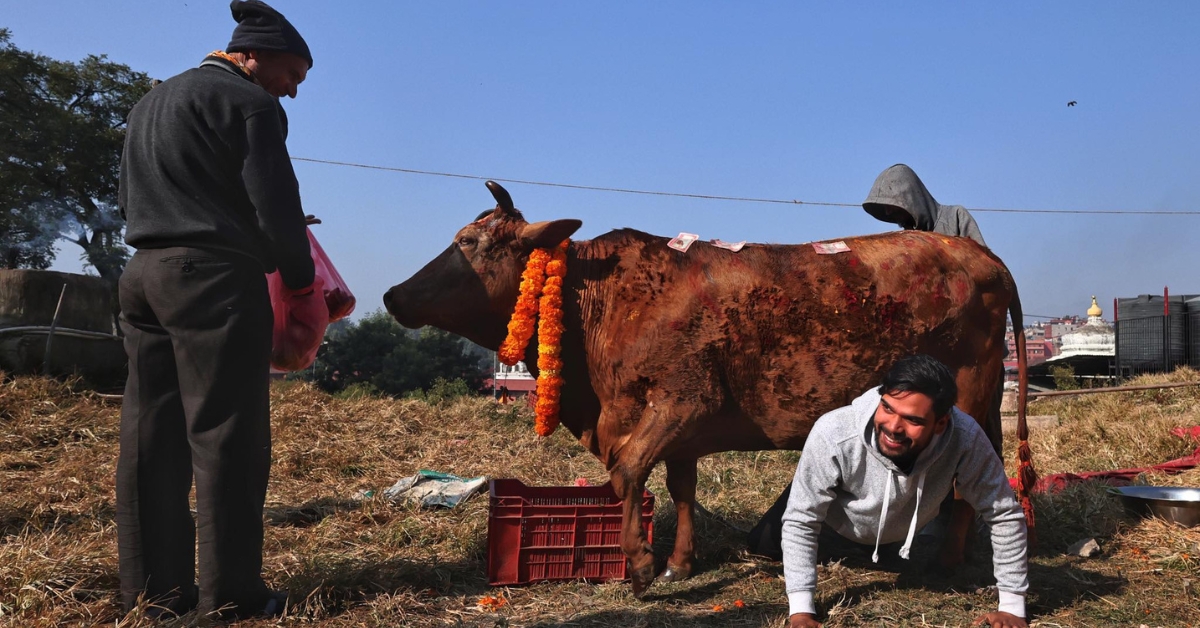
(1192, 433)
(301, 317)
(1121, 477)
(338, 298)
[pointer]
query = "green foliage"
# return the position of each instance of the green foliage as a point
(379, 356)
(62, 128)
(441, 391)
(1064, 377)
(357, 390)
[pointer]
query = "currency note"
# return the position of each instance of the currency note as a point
(828, 248)
(683, 241)
(731, 246)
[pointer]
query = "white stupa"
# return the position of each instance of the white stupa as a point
(1096, 338)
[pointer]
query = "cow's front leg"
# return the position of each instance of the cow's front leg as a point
(954, 546)
(629, 481)
(681, 482)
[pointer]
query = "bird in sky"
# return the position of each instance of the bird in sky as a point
(1071, 104)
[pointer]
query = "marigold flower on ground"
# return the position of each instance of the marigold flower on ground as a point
(489, 603)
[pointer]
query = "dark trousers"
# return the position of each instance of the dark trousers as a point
(198, 335)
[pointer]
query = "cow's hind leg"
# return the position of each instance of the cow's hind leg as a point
(976, 395)
(681, 482)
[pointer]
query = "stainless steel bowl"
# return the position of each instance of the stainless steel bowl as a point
(1179, 504)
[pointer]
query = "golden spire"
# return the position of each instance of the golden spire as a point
(1095, 309)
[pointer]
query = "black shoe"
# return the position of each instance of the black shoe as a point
(273, 604)
(276, 604)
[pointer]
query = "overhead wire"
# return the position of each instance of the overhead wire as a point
(716, 197)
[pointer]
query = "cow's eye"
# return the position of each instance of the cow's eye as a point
(467, 241)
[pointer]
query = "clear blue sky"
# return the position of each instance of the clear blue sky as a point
(777, 100)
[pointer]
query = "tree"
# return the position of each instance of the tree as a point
(62, 128)
(378, 351)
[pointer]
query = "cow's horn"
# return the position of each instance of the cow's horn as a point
(501, 194)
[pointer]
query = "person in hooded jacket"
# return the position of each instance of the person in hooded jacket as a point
(874, 472)
(899, 197)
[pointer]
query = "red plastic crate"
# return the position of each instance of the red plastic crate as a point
(557, 532)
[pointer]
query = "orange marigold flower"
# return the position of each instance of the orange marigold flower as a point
(739, 604)
(550, 330)
(520, 326)
(489, 603)
(718, 609)
(540, 297)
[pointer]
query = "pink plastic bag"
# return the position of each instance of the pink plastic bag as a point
(300, 322)
(337, 294)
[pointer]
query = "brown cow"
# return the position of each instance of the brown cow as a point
(670, 356)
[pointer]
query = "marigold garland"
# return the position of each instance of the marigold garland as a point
(543, 276)
(550, 331)
(520, 326)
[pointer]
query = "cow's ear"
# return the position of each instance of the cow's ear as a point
(544, 235)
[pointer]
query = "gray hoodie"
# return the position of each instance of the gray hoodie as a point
(844, 482)
(900, 187)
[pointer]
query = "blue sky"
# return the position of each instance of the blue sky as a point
(775, 100)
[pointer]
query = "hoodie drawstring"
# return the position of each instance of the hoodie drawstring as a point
(887, 497)
(912, 527)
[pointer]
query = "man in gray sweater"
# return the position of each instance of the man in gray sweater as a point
(874, 472)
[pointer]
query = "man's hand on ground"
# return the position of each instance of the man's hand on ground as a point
(803, 620)
(999, 619)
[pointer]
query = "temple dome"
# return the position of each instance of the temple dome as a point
(1095, 338)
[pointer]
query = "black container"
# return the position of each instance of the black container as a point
(1193, 331)
(1142, 342)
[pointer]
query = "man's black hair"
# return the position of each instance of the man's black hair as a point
(923, 374)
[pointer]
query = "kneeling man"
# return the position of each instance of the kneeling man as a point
(874, 472)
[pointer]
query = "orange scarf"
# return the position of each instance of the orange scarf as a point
(237, 64)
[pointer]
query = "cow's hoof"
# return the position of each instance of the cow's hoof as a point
(642, 578)
(674, 574)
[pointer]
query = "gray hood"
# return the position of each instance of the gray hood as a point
(900, 187)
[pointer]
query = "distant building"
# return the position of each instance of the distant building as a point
(516, 380)
(1089, 350)
(1096, 338)
(1054, 330)
(1037, 347)
(1057, 337)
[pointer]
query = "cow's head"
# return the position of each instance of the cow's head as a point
(471, 288)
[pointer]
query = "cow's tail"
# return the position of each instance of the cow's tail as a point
(1026, 476)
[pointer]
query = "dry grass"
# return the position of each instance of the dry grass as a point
(350, 562)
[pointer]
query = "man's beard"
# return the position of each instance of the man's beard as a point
(903, 461)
